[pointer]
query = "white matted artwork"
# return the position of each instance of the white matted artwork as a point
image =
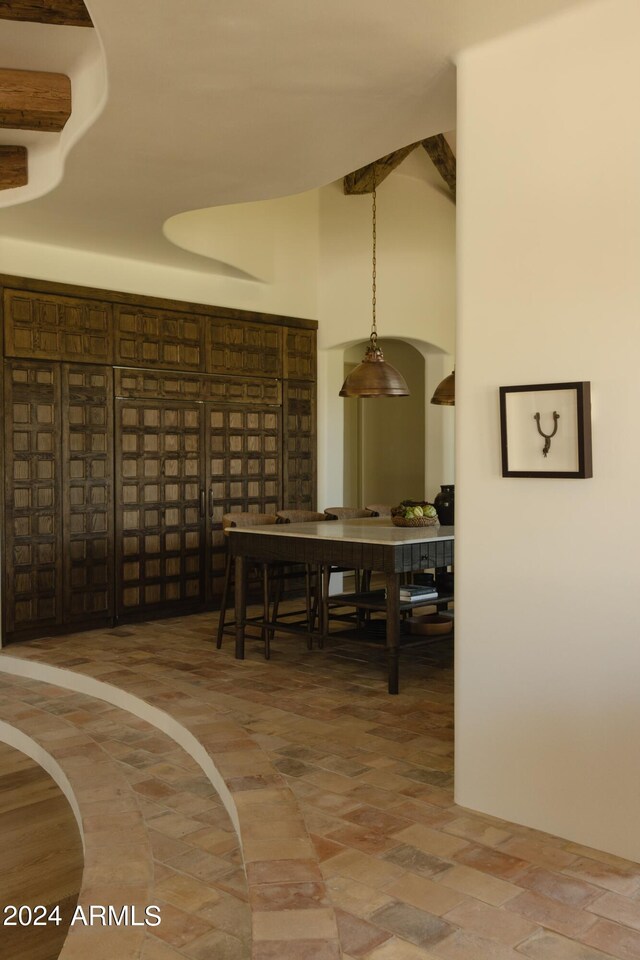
(546, 430)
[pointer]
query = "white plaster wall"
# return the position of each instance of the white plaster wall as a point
(548, 651)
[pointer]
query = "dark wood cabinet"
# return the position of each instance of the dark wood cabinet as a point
(131, 426)
(87, 493)
(159, 509)
(33, 515)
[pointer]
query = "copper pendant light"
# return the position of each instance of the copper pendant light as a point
(445, 393)
(374, 377)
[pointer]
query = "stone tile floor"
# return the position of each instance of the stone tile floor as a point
(373, 844)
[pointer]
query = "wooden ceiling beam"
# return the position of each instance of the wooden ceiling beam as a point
(13, 167)
(366, 178)
(67, 13)
(443, 159)
(33, 100)
(441, 154)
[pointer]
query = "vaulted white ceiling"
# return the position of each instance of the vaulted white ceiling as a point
(213, 102)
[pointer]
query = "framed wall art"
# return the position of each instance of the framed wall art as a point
(546, 430)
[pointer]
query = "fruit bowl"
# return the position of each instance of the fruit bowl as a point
(414, 513)
(414, 521)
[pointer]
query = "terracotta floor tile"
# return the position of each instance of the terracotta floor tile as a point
(283, 871)
(297, 849)
(398, 949)
(552, 914)
(492, 923)
(157, 950)
(426, 813)
(424, 893)
(464, 945)
(619, 879)
(613, 938)
(324, 849)
(362, 838)
(551, 946)
(419, 927)
(297, 950)
(314, 924)
(491, 861)
(218, 944)
(362, 866)
(358, 898)
(358, 936)
(431, 841)
(621, 909)
(573, 892)
(179, 928)
(414, 860)
(480, 885)
(543, 854)
(229, 915)
(472, 828)
(185, 892)
(378, 820)
(288, 896)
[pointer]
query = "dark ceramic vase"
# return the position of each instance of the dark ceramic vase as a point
(444, 505)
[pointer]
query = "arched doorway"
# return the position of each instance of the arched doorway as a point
(384, 439)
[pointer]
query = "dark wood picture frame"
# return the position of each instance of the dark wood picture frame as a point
(522, 450)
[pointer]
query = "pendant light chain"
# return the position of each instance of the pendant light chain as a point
(374, 328)
(374, 377)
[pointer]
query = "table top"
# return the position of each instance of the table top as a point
(378, 530)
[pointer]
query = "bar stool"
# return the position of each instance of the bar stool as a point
(379, 509)
(230, 520)
(349, 513)
(312, 591)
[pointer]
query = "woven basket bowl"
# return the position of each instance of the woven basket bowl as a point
(433, 625)
(414, 522)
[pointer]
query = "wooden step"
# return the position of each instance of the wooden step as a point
(67, 13)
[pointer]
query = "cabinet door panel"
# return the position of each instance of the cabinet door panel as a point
(240, 348)
(159, 522)
(300, 354)
(299, 445)
(243, 470)
(33, 521)
(56, 327)
(87, 470)
(158, 338)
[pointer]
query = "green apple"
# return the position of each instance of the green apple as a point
(430, 511)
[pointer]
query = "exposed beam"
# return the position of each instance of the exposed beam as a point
(32, 100)
(13, 167)
(68, 13)
(443, 159)
(366, 178)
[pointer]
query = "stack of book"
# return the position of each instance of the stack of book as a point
(412, 592)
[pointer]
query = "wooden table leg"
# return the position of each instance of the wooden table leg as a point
(241, 604)
(392, 583)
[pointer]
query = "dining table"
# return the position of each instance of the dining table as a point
(371, 544)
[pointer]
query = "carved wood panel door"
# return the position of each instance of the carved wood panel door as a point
(33, 518)
(244, 471)
(160, 539)
(87, 483)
